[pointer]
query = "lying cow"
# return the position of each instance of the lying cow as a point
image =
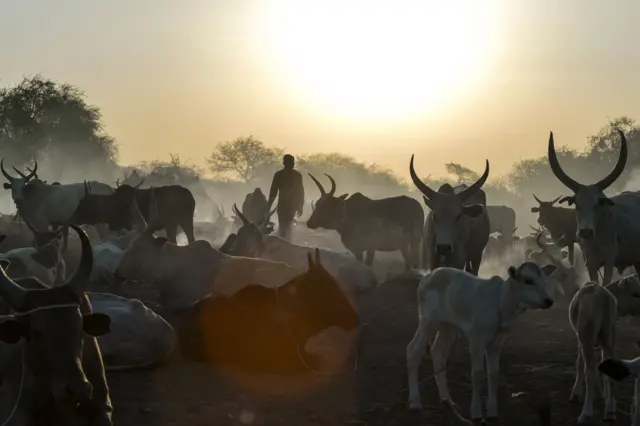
(188, 273)
(139, 338)
(354, 276)
(266, 329)
(620, 369)
(53, 328)
(593, 313)
(451, 301)
(44, 262)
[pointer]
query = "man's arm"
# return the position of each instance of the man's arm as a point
(275, 186)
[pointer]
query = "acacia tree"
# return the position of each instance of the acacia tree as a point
(245, 157)
(41, 118)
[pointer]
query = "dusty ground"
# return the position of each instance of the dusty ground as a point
(537, 363)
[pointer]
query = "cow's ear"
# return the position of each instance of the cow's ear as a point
(473, 210)
(160, 241)
(535, 209)
(11, 331)
(512, 272)
(569, 200)
(96, 324)
(6, 185)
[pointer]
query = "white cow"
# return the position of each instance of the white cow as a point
(450, 301)
(44, 205)
(593, 313)
(354, 276)
(139, 338)
(45, 263)
(619, 369)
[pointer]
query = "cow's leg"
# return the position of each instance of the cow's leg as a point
(608, 273)
(493, 368)
(474, 263)
(370, 255)
(591, 379)
(440, 349)
(415, 352)
(608, 351)
(187, 227)
(172, 233)
(578, 386)
(477, 349)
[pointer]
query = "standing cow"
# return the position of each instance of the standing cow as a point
(455, 233)
(364, 224)
(608, 227)
(502, 219)
(175, 205)
(559, 221)
(44, 205)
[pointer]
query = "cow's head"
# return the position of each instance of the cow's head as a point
(627, 293)
(448, 207)
(547, 213)
(329, 211)
(119, 208)
(589, 199)
(53, 328)
(316, 295)
(92, 208)
(528, 284)
(17, 184)
(249, 238)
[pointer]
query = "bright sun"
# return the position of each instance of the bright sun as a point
(378, 59)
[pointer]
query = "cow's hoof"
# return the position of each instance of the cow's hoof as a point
(415, 406)
(584, 419)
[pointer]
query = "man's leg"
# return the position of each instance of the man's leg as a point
(285, 221)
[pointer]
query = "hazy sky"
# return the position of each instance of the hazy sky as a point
(457, 81)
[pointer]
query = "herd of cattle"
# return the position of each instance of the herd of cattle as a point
(255, 301)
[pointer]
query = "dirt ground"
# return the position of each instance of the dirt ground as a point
(537, 364)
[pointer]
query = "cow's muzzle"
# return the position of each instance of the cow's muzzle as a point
(586, 234)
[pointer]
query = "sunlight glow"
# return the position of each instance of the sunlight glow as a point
(378, 59)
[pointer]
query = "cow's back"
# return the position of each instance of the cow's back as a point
(174, 202)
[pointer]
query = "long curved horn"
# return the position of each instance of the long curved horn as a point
(139, 184)
(118, 183)
(469, 191)
(555, 200)
(78, 282)
(22, 175)
(4, 172)
(239, 214)
(537, 199)
(318, 184)
(422, 187)
(13, 292)
(619, 168)
(265, 220)
(34, 171)
(557, 169)
(333, 184)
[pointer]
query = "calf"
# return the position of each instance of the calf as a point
(265, 329)
(52, 371)
(450, 301)
(593, 313)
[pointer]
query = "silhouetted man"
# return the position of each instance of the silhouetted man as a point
(287, 184)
